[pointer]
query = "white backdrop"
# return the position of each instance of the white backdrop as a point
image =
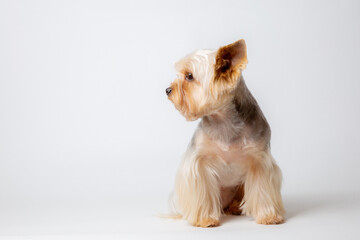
(86, 127)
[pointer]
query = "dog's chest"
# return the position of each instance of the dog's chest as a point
(228, 151)
(232, 159)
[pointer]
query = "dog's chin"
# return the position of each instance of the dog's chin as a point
(186, 114)
(190, 116)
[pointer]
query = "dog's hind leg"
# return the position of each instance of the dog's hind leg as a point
(233, 208)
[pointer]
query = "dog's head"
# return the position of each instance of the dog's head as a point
(206, 79)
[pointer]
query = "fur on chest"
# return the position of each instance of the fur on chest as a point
(232, 158)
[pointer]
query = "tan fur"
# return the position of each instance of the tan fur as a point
(207, 222)
(233, 208)
(228, 167)
(230, 60)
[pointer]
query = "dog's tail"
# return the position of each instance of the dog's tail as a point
(173, 212)
(175, 216)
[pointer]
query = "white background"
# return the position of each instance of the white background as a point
(89, 143)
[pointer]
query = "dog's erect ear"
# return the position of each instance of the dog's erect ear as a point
(230, 60)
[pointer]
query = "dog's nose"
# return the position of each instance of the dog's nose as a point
(168, 91)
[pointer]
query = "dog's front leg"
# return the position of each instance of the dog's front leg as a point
(197, 189)
(262, 190)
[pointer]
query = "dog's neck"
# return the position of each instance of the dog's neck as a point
(238, 118)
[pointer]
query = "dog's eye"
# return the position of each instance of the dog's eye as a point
(189, 77)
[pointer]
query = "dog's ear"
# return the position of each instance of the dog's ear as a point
(230, 60)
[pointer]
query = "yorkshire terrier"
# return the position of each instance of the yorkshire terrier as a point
(228, 167)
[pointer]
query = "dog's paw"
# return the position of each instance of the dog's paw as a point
(270, 219)
(207, 222)
(233, 209)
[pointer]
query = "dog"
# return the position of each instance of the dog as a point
(228, 167)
